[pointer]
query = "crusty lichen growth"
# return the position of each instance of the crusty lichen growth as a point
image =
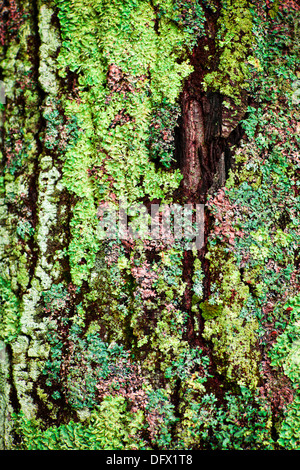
(138, 344)
(28, 237)
(234, 43)
(116, 95)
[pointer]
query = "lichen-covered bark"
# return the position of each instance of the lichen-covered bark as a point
(193, 145)
(32, 192)
(142, 343)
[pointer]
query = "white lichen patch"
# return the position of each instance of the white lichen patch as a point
(5, 407)
(50, 42)
(49, 191)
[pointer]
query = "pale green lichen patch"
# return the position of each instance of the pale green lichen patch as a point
(140, 71)
(5, 406)
(49, 192)
(50, 42)
(234, 41)
(234, 341)
(27, 232)
(146, 344)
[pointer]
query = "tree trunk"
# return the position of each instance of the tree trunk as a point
(136, 343)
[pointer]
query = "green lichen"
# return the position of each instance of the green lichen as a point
(241, 422)
(285, 354)
(234, 42)
(234, 338)
(140, 75)
(117, 344)
(109, 427)
(5, 406)
(210, 311)
(234, 347)
(28, 231)
(9, 312)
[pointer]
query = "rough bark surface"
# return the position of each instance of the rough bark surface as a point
(145, 344)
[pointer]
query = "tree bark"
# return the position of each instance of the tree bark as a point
(125, 338)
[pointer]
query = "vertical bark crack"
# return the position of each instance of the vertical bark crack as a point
(207, 131)
(203, 149)
(193, 143)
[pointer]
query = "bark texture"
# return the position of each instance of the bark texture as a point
(142, 343)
